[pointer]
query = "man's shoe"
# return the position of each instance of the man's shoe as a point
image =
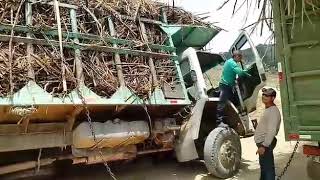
(223, 125)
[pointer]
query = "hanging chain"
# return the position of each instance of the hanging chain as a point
(94, 134)
(289, 161)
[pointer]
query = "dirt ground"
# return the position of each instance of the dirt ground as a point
(168, 169)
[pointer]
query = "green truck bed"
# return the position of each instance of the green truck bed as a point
(297, 28)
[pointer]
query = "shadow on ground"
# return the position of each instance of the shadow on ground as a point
(147, 168)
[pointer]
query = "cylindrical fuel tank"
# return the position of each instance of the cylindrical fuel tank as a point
(110, 134)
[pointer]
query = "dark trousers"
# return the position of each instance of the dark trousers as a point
(266, 162)
(226, 93)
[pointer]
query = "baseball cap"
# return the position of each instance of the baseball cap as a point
(269, 92)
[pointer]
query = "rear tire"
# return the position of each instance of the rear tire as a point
(222, 152)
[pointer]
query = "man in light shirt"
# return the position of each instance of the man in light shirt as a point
(265, 133)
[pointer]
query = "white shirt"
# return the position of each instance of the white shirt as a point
(268, 126)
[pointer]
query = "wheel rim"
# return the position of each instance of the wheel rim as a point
(228, 154)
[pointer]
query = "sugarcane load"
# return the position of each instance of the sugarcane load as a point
(96, 23)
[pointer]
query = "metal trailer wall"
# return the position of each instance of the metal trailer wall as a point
(297, 32)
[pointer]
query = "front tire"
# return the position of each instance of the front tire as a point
(222, 152)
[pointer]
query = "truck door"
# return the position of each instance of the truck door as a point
(249, 87)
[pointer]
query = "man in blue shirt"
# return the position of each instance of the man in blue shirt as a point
(231, 69)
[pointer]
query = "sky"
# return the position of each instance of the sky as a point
(223, 18)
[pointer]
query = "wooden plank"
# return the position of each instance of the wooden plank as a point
(24, 165)
(28, 12)
(116, 56)
(125, 51)
(77, 57)
(145, 20)
(63, 68)
(150, 60)
(307, 103)
(305, 73)
(84, 46)
(71, 35)
(34, 141)
(306, 43)
(70, 6)
(16, 129)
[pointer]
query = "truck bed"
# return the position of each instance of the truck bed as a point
(298, 52)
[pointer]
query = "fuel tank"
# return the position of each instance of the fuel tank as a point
(110, 134)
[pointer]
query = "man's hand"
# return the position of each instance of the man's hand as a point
(247, 74)
(261, 150)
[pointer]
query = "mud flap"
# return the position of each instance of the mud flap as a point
(185, 147)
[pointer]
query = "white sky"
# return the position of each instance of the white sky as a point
(223, 41)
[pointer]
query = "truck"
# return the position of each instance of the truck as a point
(69, 117)
(297, 29)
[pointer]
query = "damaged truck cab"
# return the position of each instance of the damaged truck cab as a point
(199, 137)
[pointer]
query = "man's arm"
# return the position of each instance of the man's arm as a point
(239, 71)
(273, 121)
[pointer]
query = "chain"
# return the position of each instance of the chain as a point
(94, 134)
(289, 161)
(107, 167)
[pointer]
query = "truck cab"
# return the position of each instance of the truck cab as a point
(200, 137)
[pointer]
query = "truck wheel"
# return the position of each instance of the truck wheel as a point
(222, 152)
(313, 169)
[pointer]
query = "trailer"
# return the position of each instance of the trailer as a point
(38, 127)
(297, 28)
